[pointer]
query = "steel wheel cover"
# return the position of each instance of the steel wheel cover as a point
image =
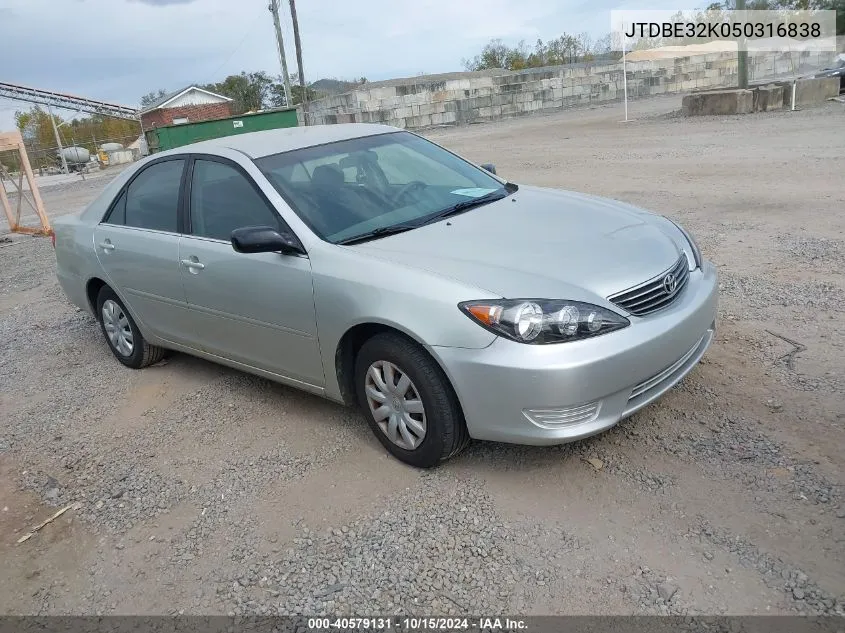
(116, 325)
(396, 404)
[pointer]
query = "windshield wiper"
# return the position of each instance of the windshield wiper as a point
(382, 231)
(459, 207)
(464, 205)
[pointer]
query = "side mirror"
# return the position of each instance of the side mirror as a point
(265, 239)
(489, 167)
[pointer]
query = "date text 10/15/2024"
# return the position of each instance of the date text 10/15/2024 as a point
(416, 624)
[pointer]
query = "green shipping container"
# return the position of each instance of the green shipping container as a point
(170, 136)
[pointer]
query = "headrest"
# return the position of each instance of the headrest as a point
(327, 175)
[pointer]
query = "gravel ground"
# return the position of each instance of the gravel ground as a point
(204, 490)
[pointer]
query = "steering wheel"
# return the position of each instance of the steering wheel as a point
(406, 189)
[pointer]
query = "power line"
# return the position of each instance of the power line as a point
(238, 47)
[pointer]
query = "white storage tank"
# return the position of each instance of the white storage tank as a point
(75, 155)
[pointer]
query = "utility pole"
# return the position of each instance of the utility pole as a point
(58, 138)
(298, 45)
(742, 53)
(274, 9)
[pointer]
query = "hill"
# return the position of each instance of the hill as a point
(331, 87)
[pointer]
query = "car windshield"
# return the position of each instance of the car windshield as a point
(375, 184)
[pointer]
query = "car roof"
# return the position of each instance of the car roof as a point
(258, 144)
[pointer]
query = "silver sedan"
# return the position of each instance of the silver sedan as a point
(371, 266)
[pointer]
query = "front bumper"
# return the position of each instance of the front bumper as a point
(551, 394)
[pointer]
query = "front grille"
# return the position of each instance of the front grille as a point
(655, 294)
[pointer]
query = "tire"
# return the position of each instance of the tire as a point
(138, 353)
(445, 433)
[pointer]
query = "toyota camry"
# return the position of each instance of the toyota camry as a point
(371, 266)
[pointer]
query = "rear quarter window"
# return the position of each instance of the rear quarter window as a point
(117, 215)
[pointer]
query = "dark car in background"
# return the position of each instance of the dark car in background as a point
(836, 70)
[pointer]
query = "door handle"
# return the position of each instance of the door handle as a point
(190, 263)
(106, 246)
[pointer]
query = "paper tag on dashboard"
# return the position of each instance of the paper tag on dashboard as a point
(473, 192)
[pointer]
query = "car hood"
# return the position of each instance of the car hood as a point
(541, 243)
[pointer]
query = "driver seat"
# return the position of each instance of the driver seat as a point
(338, 203)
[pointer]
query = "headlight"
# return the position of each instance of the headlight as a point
(541, 321)
(696, 252)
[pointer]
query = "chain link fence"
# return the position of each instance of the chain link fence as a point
(45, 159)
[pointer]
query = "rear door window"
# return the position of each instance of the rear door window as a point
(152, 200)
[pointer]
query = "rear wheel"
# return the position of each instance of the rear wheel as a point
(123, 336)
(408, 401)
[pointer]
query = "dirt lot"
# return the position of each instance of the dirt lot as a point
(204, 490)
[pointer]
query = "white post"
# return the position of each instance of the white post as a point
(624, 73)
(58, 139)
(793, 93)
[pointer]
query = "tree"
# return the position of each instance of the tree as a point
(249, 91)
(89, 132)
(152, 97)
(603, 45)
(277, 93)
(296, 91)
(493, 55)
(839, 7)
(585, 46)
(517, 58)
(556, 50)
(566, 49)
(35, 126)
(538, 57)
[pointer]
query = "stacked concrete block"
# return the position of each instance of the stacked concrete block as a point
(809, 91)
(455, 85)
(719, 102)
(768, 98)
(502, 99)
(457, 99)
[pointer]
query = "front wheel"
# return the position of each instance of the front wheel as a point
(408, 401)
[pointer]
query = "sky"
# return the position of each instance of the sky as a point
(119, 50)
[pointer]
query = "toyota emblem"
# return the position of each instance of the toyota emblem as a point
(670, 284)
